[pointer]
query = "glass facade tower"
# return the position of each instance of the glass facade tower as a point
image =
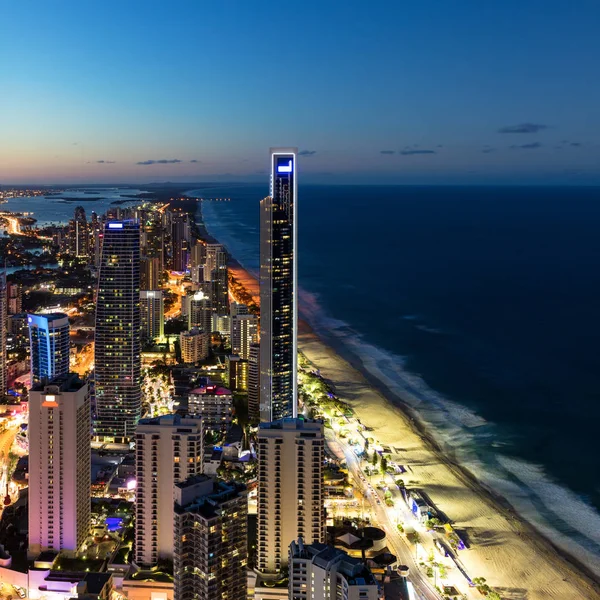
(49, 346)
(117, 343)
(278, 298)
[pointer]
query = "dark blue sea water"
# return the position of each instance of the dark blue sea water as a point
(480, 307)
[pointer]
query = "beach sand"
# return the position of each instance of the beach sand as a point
(514, 558)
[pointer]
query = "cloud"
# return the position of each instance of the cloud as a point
(523, 128)
(307, 152)
(194, 161)
(162, 161)
(531, 146)
(488, 149)
(387, 152)
(105, 162)
(575, 144)
(410, 152)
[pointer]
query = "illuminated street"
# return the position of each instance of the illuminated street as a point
(388, 519)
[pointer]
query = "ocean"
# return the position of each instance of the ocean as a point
(479, 307)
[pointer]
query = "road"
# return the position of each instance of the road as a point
(14, 227)
(394, 541)
(7, 437)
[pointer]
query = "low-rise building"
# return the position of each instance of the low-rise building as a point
(321, 572)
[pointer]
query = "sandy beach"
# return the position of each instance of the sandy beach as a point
(513, 557)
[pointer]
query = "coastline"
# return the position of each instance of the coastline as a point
(515, 558)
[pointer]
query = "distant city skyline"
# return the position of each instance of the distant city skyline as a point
(401, 93)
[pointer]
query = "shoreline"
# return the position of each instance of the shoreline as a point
(324, 355)
(520, 562)
(517, 554)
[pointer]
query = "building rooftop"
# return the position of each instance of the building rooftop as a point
(291, 423)
(65, 383)
(173, 420)
(325, 557)
(213, 492)
(53, 316)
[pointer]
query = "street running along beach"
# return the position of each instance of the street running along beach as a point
(514, 558)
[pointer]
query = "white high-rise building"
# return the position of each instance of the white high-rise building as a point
(290, 489)
(168, 450)
(321, 572)
(152, 314)
(59, 465)
(195, 345)
(244, 332)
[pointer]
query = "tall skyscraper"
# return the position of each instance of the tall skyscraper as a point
(211, 540)
(200, 311)
(244, 332)
(216, 272)
(152, 314)
(321, 572)
(79, 236)
(150, 273)
(49, 346)
(117, 342)
(290, 489)
(197, 261)
(181, 241)
(3, 328)
(168, 450)
(59, 465)
(278, 283)
(254, 383)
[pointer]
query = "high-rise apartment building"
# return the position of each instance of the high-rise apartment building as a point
(14, 295)
(3, 328)
(49, 346)
(117, 341)
(290, 489)
(200, 311)
(244, 332)
(237, 373)
(181, 241)
(216, 272)
(254, 383)
(59, 465)
(211, 540)
(79, 235)
(150, 273)
(197, 261)
(152, 314)
(195, 345)
(321, 572)
(152, 242)
(278, 296)
(213, 403)
(168, 450)
(96, 237)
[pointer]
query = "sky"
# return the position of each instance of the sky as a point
(393, 91)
